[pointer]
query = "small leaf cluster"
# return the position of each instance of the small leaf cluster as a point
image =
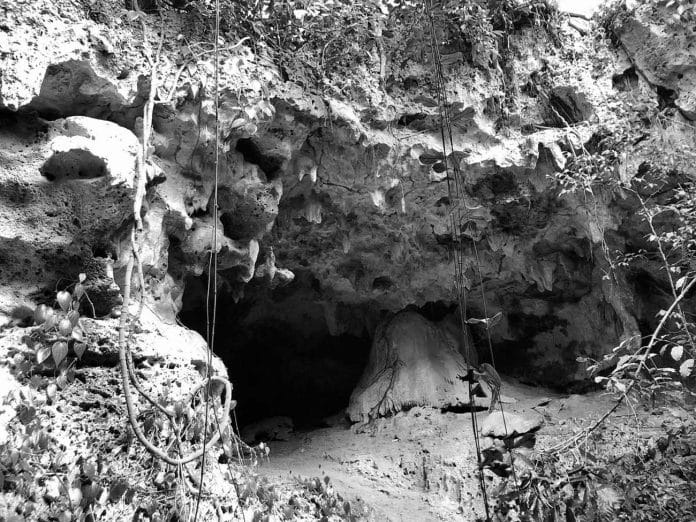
(593, 168)
(327, 502)
(344, 45)
(50, 476)
(643, 481)
(547, 488)
(62, 329)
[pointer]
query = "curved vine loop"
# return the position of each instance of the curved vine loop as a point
(124, 332)
(130, 406)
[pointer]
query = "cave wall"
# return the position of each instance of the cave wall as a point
(347, 192)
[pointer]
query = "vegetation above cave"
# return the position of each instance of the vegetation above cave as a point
(620, 171)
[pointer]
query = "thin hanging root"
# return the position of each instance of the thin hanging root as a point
(124, 333)
(125, 382)
(129, 355)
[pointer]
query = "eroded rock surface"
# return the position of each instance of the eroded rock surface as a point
(413, 362)
(67, 187)
(498, 425)
(660, 46)
(352, 191)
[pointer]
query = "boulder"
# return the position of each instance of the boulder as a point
(412, 362)
(498, 425)
(663, 53)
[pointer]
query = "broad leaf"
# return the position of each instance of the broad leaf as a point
(73, 317)
(64, 299)
(65, 327)
(42, 353)
(59, 351)
(238, 123)
(78, 335)
(40, 314)
(439, 167)
(489, 321)
(677, 352)
(26, 414)
(51, 319)
(80, 349)
(430, 158)
(686, 368)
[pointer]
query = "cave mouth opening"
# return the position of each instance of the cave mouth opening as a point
(270, 164)
(281, 357)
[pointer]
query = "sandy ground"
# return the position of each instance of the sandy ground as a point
(418, 465)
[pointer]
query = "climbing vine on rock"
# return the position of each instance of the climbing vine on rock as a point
(339, 47)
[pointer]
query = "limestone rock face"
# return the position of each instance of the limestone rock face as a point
(413, 362)
(347, 191)
(184, 220)
(67, 187)
(73, 87)
(662, 48)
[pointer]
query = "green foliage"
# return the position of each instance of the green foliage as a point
(642, 164)
(658, 481)
(34, 465)
(684, 10)
(60, 331)
(327, 503)
(33, 459)
(673, 241)
(595, 166)
(344, 46)
(645, 481)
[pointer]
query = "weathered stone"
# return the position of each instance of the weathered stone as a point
(351, 191)
(498, 425)
(567, 106)
(413, 362)
(663, 52)
(271, 274)
(73, 88)
(67, 188)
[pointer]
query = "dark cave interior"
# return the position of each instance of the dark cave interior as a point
(279, 364)
(281, 356)
(292, 353)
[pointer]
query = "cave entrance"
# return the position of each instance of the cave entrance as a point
(280, 354)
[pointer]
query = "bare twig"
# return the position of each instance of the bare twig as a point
(579, 15)
(579, 29)
(649, 218)
(125, 382)
(635, 380)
